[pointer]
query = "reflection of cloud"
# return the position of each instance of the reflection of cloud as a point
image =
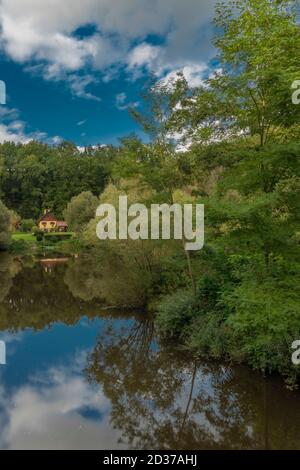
(11, 341)
(11, 337)
(56, 410)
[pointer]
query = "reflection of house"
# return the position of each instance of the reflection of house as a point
(49, 223)
(49, 264)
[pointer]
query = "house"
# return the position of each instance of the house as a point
(61, 226)
(49, 223)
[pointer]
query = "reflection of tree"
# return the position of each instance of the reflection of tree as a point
(9, 267)
(161, 399)
(126, 363)
(36, 299)
(108, 277)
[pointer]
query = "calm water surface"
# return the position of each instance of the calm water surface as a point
(80, 376)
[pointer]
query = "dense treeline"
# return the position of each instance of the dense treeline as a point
(35, 176)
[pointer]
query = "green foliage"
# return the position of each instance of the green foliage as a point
(250, 94)
(54, 237)
(264, 320)
(5, 218)
(80, 210)
(39, 236)
(174, 313)
(34, 175)
(27, 225)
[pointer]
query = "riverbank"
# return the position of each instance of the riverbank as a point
(27, 244)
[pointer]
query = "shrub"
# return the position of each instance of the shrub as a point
(39, 236)
(27, 226)
(57, 237)
(264, 321)
(208, 335)
(19, 247)
(175, 313)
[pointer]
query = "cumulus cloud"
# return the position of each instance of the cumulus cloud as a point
(45, 34)
(144, 55)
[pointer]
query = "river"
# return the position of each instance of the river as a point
(81, 376)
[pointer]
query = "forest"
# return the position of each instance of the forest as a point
(232, 144)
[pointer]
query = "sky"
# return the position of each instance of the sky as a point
(72, 68)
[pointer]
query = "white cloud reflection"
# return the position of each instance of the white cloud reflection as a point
(56, 409)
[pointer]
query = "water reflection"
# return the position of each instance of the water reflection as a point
(81, 375)
(55, 409)
(163, 400)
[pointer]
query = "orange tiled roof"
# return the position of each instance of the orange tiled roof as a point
(48, 218)
(61, 223)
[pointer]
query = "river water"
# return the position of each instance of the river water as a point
(81, 376)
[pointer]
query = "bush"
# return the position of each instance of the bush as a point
(208, 335)
(208, 293)
(56, 237)
(199, 321)
(264, 321)
(175, 313)
(19, 247)
(39, 236)
(27, 226)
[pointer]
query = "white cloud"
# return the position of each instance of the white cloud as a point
(143, 55)
(194, 74)
(79, 84)
(122, 103)
(42, 33)
(12, 129)
(82, 149)
(9, 134)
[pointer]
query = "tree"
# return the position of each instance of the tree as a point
(33, 176)
(80, 210)
(27, 225)
(4, 226)
(250, 94)
(254, 219)
(158, 166)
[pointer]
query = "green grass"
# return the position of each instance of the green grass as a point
(54, 243)
(26, 237)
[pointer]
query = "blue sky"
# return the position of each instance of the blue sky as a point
(73, 68)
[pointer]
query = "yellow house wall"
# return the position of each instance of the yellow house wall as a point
(48, 226)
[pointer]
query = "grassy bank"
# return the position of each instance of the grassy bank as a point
(52, 243)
